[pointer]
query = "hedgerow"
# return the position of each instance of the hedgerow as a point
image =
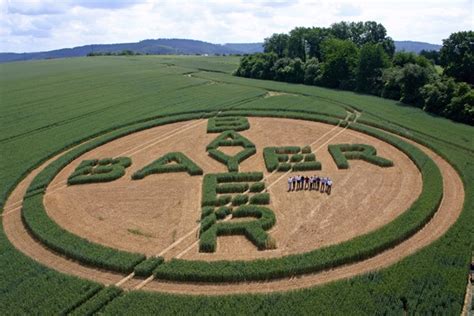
(253, 230)
(52, 235)
(95, 171)
(226, 123)
(342, 152)
(171, 162)
(300, 159)
(98, 301)
(146, 267)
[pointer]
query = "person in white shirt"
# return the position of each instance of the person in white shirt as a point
(290, 183)
(329, 186)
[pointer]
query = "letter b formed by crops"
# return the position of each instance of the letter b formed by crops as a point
(103, 170)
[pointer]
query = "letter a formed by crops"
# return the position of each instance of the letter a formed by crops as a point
(171, 162)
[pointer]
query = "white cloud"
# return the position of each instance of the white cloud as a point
(34, 25)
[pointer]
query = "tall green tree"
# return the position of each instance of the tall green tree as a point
(340, 62)
(438, 94)
(372, 61)
(277, 43)
(461, 107)
(314, 38)
(457, 56)
(362, 33)
(297, 43)
(400, 59)
(312, 71)
(289, 70)
(413, 77)
(432, 55)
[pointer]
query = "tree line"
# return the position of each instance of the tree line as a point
(125, 52)
(359, 56)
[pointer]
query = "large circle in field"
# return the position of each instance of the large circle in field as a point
(149, 215)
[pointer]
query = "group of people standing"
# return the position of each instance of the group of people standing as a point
(317, 183)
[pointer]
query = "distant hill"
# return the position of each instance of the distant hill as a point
(151, 46)
(175, 46)
(246, 48)
(416, 47)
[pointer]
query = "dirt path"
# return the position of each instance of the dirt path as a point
(447, 214)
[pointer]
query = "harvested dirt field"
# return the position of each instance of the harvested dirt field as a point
(447, 214)
(150, 214)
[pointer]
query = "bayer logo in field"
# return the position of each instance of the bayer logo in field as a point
(233, 188)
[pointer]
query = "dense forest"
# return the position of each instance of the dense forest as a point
(359, 56)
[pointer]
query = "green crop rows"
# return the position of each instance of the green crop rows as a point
(230, 138)
(354, 250)
(48, 232)
(96, 302)
(226, 123)
(254, 230)
(342, 152)
(49, 106)
(181, 163)
(104, 170)
(234, 186)
(290, 157)
(146, 267)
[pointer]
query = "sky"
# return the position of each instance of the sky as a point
(41, 25)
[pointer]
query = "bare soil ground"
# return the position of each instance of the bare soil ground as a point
(318, 211)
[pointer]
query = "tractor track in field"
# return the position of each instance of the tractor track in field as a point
(448, 212)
